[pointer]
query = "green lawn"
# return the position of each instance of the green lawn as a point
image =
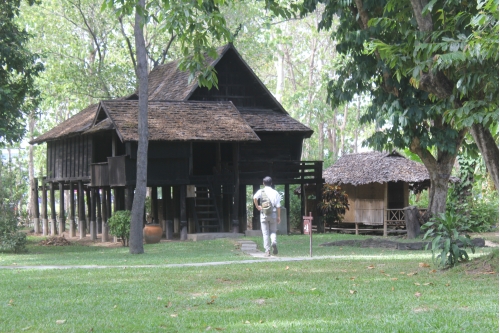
(359, 290)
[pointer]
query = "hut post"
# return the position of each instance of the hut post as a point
(243, 208)
(236, 192)
(168, 212)
(154, 204)
(71, 209)
(386, 188)
(81, 211)
(89, 208)
(53, 230)
(129, 197)
(319, 193)
(99, 210)
(256, 213)
(35, 209)
(183, 217)
(105, 214)
(287, 206)
(45, 218)
(62, 217)
(176, 202)
(93, 206)
(303, 198)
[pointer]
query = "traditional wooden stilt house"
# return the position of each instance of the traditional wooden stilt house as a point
(205, 147)
(378, 186)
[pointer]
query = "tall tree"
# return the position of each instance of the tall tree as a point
(198, 26)
(18, 69)
(406, 115)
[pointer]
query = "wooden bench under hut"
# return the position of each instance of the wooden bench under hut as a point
(378, 185)
(205, 147)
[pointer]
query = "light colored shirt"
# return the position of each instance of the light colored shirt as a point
(272, 194)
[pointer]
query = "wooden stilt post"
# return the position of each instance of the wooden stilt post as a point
(99, 211)
(287, 207)
(236, 194)
(256, 213)
(168, 213)
(62, 217)
(105, 212)
(45, 218)
(82, 227)
(129, 198)
(154, 204)
(89, 211)
(303, 198)
(93, 206)
(242, 210)
(35, 209)
(176, 204)
(53, 230)
(183, 217)
(72, 229)
(318, 175)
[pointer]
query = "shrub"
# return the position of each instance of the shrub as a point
(446, 237)
(334, 203)
(119, 225)
(11, 239)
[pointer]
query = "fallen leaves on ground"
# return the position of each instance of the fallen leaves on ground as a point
(55, 241)
(417, 294)
(423, 264)
(352, 292)
(60, 321)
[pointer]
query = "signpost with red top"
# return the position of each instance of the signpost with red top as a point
(308, 230)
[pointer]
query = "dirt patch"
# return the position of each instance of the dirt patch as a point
(85, 241)
(391, 244)
(55, 241)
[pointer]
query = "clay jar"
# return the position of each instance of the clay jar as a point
(152, 233)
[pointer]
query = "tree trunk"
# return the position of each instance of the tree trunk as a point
(488, 148)
(31, 169)
(356, 130)
(342, 130)
(439, 173)
(135, 243)
(321, 139)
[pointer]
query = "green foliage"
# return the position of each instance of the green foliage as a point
(18, 69)
(447, 236)
(334, 204)
(11, 239)
(477, 209)
(119, 225)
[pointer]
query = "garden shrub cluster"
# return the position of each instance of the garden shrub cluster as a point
(11, 239)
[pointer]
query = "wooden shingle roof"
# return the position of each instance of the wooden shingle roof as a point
(375, 167)
(181, 121)
(266, 120)
(168, 82)
(77, 124)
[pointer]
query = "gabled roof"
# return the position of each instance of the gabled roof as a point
(180, 121)
(77, 124)
(266, 120)
(168, 82)
(375, 167)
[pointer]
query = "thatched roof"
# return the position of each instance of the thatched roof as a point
(375, 167)
(168, 82)
(180, 121)
(77, 124)
(266, 120)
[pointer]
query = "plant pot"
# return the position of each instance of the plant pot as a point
(152, 233)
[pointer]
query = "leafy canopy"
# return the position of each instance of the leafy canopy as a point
(18, 70)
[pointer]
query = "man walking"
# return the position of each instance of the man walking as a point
(270, 211)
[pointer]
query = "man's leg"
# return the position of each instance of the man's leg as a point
(273, 228)
(264, 226)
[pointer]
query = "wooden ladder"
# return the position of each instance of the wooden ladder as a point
(206, 213)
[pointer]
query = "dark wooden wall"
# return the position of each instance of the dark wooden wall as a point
(236, 84)
(272, 147)
(69, 159)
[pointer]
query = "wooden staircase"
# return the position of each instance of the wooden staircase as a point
(206, 213)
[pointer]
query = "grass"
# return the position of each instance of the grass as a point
(361, 290)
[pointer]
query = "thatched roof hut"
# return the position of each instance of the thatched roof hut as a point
(375, 167)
